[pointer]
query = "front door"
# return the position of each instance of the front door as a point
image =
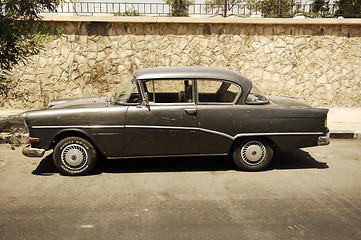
(168, 125)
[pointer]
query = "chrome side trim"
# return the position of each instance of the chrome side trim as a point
(162, 127)
(225, 134)
(277, 134)
(183, 155)
(81, 126)
(216, 132)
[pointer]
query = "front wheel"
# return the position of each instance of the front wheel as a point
(252, 154)
(74, 156)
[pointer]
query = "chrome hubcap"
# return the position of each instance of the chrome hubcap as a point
(253, 153)
(74, 156)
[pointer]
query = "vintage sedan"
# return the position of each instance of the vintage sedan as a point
(175, 111)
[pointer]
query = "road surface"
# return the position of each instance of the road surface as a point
(313, 193)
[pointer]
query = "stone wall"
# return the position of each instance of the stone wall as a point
(316, 62)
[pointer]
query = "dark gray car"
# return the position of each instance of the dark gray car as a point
(175, 111)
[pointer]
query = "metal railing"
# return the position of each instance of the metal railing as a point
(162, 9)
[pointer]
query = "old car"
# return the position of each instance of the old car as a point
(175, 111)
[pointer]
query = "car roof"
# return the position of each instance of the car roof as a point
(191, 73)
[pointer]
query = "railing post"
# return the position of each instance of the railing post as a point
(225, 8)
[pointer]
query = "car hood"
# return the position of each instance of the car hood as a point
(79, 102)
(287, 101)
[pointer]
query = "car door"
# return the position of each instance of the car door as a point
(167, 124)
(218, 116)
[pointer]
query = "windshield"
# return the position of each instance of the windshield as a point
(256, 96)
(128, 89)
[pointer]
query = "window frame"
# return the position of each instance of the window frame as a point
(138, 90)
(217, 103)
(152, 103)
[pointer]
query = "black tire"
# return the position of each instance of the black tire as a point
(74, 156)
(252, 154)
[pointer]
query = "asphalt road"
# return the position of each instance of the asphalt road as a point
(314, 193)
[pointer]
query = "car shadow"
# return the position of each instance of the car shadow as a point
(295, 159)
(167, 164)
(292, 159)
(46, 166)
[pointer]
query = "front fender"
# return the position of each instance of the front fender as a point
(103, 126)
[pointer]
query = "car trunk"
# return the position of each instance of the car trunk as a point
(287, 101)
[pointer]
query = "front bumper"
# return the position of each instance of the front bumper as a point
(33, 152)
(323, 140)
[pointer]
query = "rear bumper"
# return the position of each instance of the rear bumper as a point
(33, 152)
(323, 140)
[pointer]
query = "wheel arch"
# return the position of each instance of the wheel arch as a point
(72, 133)
(265, 139)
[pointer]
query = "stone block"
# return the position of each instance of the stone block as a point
(56, 71)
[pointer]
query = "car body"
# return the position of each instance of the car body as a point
(175, 111)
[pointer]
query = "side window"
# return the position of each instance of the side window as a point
(128, 93)
(170, 91)
(217, 91)
(134, 96)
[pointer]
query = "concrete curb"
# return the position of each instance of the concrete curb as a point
(345, 134)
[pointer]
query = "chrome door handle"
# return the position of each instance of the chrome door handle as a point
(191, 111)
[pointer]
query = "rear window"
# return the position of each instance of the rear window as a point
(255, 96)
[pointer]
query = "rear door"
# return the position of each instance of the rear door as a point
(218, 116)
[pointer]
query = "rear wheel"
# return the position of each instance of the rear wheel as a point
(74, 156)
(252, 154)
